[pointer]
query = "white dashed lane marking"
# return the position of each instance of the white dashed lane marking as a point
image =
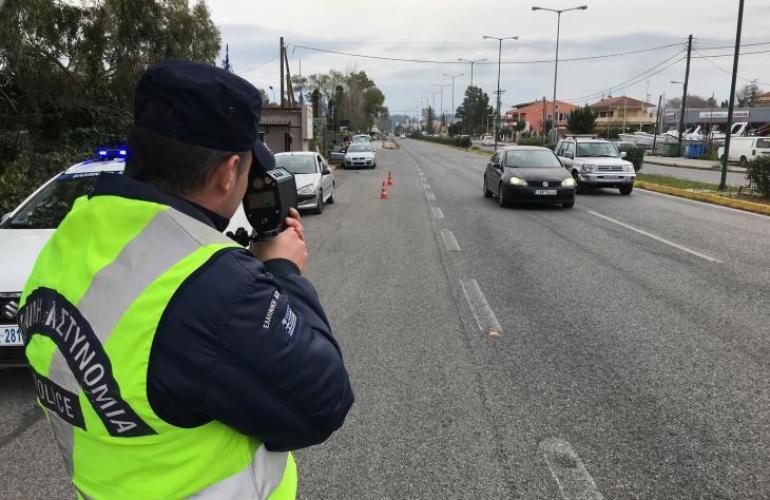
(437, 213)
(574, 481)
(482, 312)
(450, 241)
(430, 196)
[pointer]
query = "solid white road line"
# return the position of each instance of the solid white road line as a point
(568, 470)
(430, 196)
(450, 241)
(437, 213)
(484, 315)
(656, 238)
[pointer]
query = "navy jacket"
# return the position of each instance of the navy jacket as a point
(243, 342)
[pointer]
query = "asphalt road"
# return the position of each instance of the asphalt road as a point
(632, 360)
(712, 176)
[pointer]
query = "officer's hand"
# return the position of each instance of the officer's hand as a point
(289, 244)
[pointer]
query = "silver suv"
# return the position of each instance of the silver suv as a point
(596, 163)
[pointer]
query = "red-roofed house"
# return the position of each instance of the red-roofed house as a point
(534, 113)
(621, 111)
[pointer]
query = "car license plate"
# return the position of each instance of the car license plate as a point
(10, 335)
(545, 192)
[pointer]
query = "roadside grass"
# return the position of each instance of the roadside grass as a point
(676, 182)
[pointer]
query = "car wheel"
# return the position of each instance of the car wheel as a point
(501, 196)
(744, 161)
(331, 196)
(578, 187)
(626, 190)
(569, 204)
(320, 203)
(487, 192)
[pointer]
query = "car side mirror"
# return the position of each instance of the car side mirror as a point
(623, 154)
(326, 171)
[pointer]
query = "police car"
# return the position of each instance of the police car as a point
(25, 230)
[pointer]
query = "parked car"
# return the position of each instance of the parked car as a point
(25, 230)
(314, 178)
(360, 155)
(488, 140)
(596, 163)
(745, 149)
(528, 174)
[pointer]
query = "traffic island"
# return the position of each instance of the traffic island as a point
(737, 198)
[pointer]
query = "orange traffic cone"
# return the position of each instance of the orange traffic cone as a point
(390, 178)
(384, 193)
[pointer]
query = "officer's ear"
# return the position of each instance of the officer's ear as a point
(225, 175)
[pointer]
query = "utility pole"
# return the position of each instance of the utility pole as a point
(283, 102)
(731, 104)
(289, 88)
(684, 92)
(499, 54)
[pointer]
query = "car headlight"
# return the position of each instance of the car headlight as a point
(588, 168)
(568, 182)
(628, 168)
(517, 181)
(309, 189)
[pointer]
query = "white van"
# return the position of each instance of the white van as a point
(745, 149)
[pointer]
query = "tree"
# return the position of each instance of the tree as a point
(693, 101)
(474, 110)
(356, 97)
(581, 120)
(429, 116)
(746, 95)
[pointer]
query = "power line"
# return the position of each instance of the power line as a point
(731, 55)
(258, 65)
(652, 71)
(723, 70)
(533, 61)
(753, 44)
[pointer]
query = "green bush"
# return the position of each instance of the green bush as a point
(463, 141)
(532, 141)
(758, 173)
(634, 154)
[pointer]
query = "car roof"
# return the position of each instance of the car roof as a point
(296, 153)
(584, 139)
(92, 166)
(526, 148)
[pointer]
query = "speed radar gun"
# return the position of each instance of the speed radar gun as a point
(268, 198)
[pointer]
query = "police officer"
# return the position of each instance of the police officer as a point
(170, 361)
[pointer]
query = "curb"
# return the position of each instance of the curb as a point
(748, 206)
(691, 167)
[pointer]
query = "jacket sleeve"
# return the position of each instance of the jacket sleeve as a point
(278, 374)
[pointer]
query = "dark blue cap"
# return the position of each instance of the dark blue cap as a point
(202, 105)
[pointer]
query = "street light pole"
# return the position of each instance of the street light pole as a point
(731, 104)
(453, 89)
(472, 62)
(499, 55)
(556, 63)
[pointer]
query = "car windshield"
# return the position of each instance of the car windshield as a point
(361, 138)
(596, 149)
(48, 207)
(360, 148)
(531, 159)
(296, 164)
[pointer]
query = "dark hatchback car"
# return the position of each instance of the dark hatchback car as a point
(528, 174)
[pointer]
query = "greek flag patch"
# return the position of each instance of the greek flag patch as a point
(289, 321)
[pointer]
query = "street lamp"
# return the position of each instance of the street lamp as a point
(272, 91)
(556, 64)
(441, 102)
(472, 62)
(499, 53)
(453, 89)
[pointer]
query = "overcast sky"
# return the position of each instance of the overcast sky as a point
(447, 30)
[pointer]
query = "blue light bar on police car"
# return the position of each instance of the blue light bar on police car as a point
(111, 154)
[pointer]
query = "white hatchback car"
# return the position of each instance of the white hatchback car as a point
(25, 230)
(488, 140)
(314, 178)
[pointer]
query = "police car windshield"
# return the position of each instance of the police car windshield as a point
(531, 159)
(296, 164)
(48, 207)
(596, 149)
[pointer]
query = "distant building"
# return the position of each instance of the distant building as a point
(623, 111)
(762, 99)
(535, 113)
